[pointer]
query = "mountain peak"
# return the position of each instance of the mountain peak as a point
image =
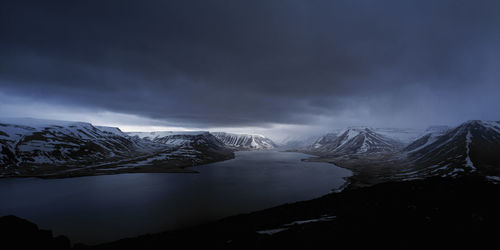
(473, 122)
(357, 128)
(480, 124)
(159, 134)
(354, 140)
(436, 128)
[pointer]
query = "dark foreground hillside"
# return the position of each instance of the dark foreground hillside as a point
(425, 213)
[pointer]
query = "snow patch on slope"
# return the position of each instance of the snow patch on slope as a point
(244, 141)
(159, 134)
(34, 142)
(468, 141)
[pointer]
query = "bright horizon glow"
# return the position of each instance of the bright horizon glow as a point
(26, 107)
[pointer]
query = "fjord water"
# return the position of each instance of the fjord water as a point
(96, 209)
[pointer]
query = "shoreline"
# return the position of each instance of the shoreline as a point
(172, 167)
(443, 211)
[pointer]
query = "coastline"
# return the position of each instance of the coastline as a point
(436, 211)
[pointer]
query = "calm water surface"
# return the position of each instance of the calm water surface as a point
(96, 209)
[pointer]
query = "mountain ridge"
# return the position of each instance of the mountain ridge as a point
(50, 148)
(245, 141)
(354, 140)
(471, 148)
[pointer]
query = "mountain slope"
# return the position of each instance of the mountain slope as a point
(354, 140)
(200, 146)
(244, 141)
(429, 136)
(473, 146)
(32, 147)
(32, 143)
(403, 135)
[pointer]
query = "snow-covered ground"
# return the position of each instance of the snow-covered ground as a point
(27, 143)
(295, 223)
(158, 134)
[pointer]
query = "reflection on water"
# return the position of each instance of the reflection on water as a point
(103, 208)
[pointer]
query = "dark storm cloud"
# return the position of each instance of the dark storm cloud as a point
(236, 63)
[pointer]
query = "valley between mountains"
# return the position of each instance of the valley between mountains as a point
(404, 182)
(55, 149)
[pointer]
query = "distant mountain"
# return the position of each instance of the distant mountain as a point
(28, 144)
(296, 142)
(429, 136)
(33, 147)
(171, 138)
(200, 144)
(245, 141)
(403, 135)
(473, 146)
(323, 141)
(354, 140)
(396, 136)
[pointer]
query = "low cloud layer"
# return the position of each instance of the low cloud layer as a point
(206, 64)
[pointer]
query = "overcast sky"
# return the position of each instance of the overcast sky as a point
(258, 66)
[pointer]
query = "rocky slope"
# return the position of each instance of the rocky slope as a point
(244, 141)
(201, 146)
(32, 147)
(429, 136)
(354, 140)
(472, 147)
(29, 145)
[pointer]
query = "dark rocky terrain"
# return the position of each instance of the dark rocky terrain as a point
(473, 146)
(435, 212)
(17, 233)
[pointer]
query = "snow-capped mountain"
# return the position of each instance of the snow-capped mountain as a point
(33, 147)
(244, 141)
(473, 146)
(196, 144)
(185, 139)
(34, 143)
(398, 136)
(354, 140)
(171, 138)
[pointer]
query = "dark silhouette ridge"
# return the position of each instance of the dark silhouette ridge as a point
(17, 233)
